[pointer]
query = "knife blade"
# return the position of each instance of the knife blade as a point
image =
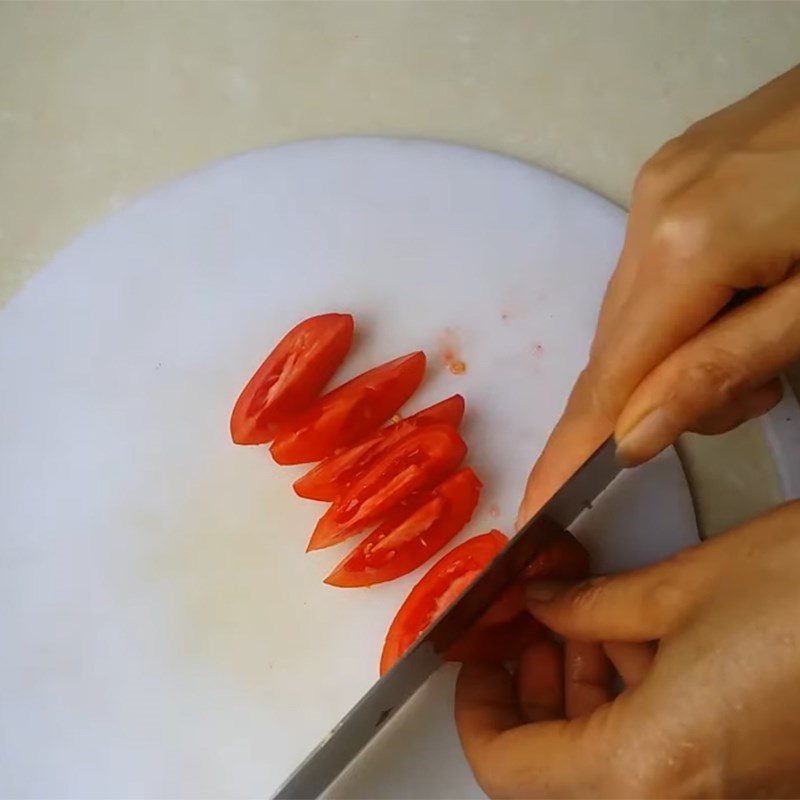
(422, 659)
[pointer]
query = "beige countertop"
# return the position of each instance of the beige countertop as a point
(100, 101)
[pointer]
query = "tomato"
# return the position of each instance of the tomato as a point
(291, 377)
(564, 558)
(437, 589)
(412, 534)
(498, 643)
(331, 477)
(417, 461)
(349, 412)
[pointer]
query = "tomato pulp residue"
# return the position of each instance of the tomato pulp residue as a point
(449, 352)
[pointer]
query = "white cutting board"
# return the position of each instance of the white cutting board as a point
(163, 633)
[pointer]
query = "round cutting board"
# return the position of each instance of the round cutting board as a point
(163, 632)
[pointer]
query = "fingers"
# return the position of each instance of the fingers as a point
(723, 364)
(547, 759)
(579, 432)
(688, 250)
(540, 682)
(751, 405)
(485, 706)
(591, 412)
(631, 660)
(587, 678)
(636, 606)
(664, 309)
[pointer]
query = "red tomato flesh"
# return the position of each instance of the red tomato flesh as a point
(333, 476)
(291, 377)
(437, 589)
(412, 534)
(564, 558)
(417, 461)
(349, 412)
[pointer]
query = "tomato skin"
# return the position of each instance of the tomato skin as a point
(417, 461)
(331, 477)
(349, 412)
(564, 558)
(291, 376)
(506, 628)
(381, 558)
(437, 589)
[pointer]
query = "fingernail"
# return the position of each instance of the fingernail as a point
(649, 436)
(542, 591)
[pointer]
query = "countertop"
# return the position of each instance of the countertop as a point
(102, 101)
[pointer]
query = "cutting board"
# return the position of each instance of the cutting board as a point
(163, 632)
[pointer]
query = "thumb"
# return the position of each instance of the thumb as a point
(636, 606)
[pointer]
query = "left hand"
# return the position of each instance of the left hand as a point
(713, 711)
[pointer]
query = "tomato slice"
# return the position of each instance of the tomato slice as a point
(437, 589)
(564, 558)
(417, 461)
(412, 534)
(331, 477)
(291, 377)
(349, 412)
(498, 643)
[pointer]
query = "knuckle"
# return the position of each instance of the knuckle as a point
(665, 599)
(651, 180)
(683, 233)
(718, 379)
(656, 176)
(675, 150)
(603, 390)
(588, 594)
(673, 590)
(766, 272)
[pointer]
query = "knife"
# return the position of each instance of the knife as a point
(422, 659)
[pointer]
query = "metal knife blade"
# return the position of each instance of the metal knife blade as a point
(366, 718)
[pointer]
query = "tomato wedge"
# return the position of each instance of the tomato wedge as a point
(412, 534)
(331, 477)
(291, 377)
(564, 558)
(417, 461)
(437, 589)
(499, 643)
(349, 412)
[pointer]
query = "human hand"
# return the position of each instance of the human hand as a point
(714, 711)
(715, 211)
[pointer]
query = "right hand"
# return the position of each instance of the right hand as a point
(714, 712)
(715, 211)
